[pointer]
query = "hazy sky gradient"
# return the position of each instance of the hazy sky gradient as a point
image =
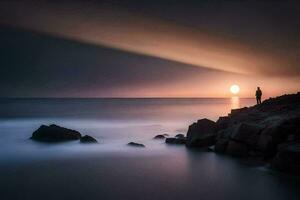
(166, 48)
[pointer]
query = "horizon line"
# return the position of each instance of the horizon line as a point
(125, 97)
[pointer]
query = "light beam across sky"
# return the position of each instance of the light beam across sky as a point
(140, 48)
(118, 28)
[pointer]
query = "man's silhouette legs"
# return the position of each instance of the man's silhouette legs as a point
(258, 100)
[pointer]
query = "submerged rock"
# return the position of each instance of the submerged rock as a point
(176, 140)
(159, 137)
(54, 133)
(201, 134)
(133, 144)
(88, 139)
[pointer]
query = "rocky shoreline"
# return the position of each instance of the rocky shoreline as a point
(268, 132)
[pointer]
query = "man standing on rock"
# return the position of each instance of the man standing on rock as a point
(258, 95)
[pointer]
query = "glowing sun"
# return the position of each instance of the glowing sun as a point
(234, 89)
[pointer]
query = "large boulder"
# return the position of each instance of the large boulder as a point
(288, 158)
(88, 139)
(201, 134)
(54, 133)
(176, 140)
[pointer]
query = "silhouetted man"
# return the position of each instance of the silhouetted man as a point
(258, 95)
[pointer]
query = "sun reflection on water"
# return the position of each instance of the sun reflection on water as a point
(235, 102)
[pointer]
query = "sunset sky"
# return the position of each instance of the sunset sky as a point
(148, 48)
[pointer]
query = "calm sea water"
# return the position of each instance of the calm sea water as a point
(113, 170)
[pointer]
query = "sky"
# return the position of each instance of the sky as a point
(140, 48)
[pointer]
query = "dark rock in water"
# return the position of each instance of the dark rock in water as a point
(179, 136)
(54, 133)
(133, 144)
(201, 134)
(288, 158)
(159, 137)
(176, 140)
(88, 139)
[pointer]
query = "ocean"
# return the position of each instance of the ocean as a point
(113, 170)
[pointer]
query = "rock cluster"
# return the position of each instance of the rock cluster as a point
(54, 133)
(270, 131)
(178, 139)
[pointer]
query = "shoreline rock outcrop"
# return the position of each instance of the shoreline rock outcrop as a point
(202, 133)
(269, 131)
